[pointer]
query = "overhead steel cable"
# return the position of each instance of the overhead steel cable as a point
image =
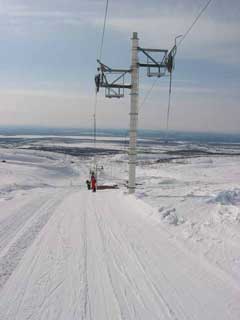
(177, 46)
(170, 84)
(194, 22)
(103, 31)
(148, 94)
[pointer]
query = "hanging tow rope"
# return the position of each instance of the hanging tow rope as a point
(169, 105)
(97, 81)
(170, 68)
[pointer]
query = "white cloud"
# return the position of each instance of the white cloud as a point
(40, 107)
(213, 38)
(19, 19)
(210, 39)
(196, 109)
(192, 115)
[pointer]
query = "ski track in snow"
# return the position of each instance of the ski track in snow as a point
(99, 257)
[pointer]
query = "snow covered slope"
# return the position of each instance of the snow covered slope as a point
(67, 253)
(101, 257)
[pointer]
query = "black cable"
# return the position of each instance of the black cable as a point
(194, 22)
(95, 101)
(169, 104)
(148, 94)
(103, 31)
(180, 42)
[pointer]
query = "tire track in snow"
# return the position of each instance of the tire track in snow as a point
(87, 306)
(20, 300)
(131, 251)
(16, 221)
(77, 286)
(130, 254)
(126, 312)
(53, 284)
(99, 258)
(37, 218)
(123, 315)
(103, 300)
(139, 234)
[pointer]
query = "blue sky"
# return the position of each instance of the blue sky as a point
(48, 62)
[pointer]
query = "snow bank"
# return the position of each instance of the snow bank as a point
(228, 197)
(170, 216)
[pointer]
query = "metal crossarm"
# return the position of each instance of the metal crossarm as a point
(113, 80)
(145, 51)
(114, 93)
(153, 50)
(152, 65)
(154, 68)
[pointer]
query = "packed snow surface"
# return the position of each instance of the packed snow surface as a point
(170, 252)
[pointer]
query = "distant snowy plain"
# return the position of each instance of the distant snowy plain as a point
(170, 252)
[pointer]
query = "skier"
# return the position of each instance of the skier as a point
(93, 181)
(88, 184)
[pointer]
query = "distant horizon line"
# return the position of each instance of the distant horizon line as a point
(42, 127)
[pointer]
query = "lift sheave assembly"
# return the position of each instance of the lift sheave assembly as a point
(159, 63)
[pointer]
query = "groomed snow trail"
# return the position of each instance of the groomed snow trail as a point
(19, 229)
(101, 256)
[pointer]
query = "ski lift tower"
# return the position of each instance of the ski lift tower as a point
(133, 115)
(159, 63)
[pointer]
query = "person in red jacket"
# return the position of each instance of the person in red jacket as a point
(93, 181)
